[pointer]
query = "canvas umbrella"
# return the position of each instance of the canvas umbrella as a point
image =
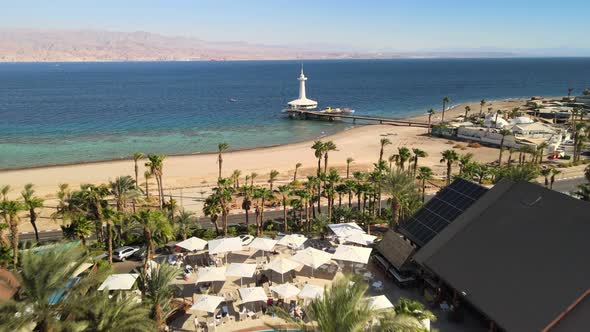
(209, 274)
(379, 302)
(241, 270)
(123, 281)
(285, 290)
(207, 303)
(359, 238)
(292, 240)
(192, 244)
(312, 257)
(252, 294)
(282, 265)
(225, 245)
(352, 254)
(310, 291)
(345, 229)
(264, 244)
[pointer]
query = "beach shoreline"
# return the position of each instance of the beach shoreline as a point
(189, 170)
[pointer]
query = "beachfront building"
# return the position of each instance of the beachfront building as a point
(302, 103)
(584, 98)
(517, 256)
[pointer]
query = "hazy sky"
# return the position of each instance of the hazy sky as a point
(365, 25)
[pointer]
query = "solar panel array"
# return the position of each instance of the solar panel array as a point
(441, 210)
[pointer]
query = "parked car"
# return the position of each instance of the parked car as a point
(121, 254)
(139, 255)
(246, 239)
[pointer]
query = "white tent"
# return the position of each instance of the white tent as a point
(192, 244)
(207, 303)
(241, 270)
(310, 291)
(379, 302)
(285, 290)
(252, 294)
(359, 238)
(229, 244)
(312, 257)
(122, 281)
(292, 240)
(282, 265)
(345, 229)
(208, 274)
(352, 254)
(264, 244)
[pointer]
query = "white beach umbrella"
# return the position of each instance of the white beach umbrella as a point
(207, 303)
(359, 238)
(282, 265)
(292, 240)
(345, 229)
(352, 254)
(192, 244)
(229, 244)
(252, 294)
(312, 257)
(379, 302)
(123, 281)
(310, 291)
(241, 270)
(208, 274)
(264, 244)
(285, 290)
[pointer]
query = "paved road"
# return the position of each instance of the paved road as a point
(565, 185)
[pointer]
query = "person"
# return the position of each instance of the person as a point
(270, 302)
(196, 321)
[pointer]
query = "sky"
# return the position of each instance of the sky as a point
(363, 25)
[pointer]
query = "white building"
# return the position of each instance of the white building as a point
(302, 103)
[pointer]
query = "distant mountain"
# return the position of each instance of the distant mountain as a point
(32, 45)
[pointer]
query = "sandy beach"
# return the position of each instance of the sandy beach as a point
(360, 143)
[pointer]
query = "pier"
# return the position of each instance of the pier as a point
(308, 114)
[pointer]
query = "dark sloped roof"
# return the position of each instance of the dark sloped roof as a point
(519, 254)
(576, 317)
(441, 210)
(395, 249)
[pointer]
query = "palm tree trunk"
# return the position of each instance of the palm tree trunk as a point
(395, 205)
(448, 172)
(224, 220)
(110, 241)
(14, 241)
(247, 220)
(136, 174)
(285, 225)
(33, 219)
(220, 163)
(423, 190)
(162, 190)
(350, 199)
(147, 234)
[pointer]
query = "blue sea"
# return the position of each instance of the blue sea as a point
(59, 113)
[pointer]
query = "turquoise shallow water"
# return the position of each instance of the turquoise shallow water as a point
(55, 113)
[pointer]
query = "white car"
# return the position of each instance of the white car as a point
(246, 239)
(121, 254)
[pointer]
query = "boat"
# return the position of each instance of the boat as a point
(331, 110)
(232, 100)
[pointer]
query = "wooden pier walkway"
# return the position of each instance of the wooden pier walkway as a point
(331, 116)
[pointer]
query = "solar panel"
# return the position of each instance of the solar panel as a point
(441, 210)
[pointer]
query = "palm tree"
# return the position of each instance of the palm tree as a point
(328, 146)
(185, 222)
(318, 147)
(554, 172)
(136, 157)
(155, 228)
(430, 113)
(109, 313)
(156, 167)
(349, 161)
(467, 110)
(212, 208)
(221, 147)
(4, 190)
(147, 175)
(264, 195)
(481, 105)
(11, 210)
(399, 186)
(546, 172)
(415, 309)
(464, 160)
(445, 102)
(424, 174)
(235, 176)
(297, 166)
(157, 291)
(32, 203)
(272, 177)
(540, 149)
(418, 154)
(224, 192)
(404, 155)
(350, 184)
(394, 158)
(503, 133)
(253, 176)
(450, 157)
(247, 202)
(78, 228)
(569, 92)
(383, 142)
(124, 189)
(285, 190)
